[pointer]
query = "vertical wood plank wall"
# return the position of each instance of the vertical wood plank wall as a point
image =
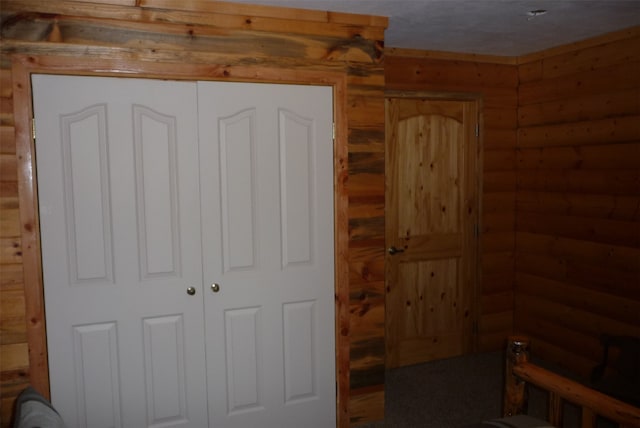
(222, 36)
(578, 198)
(14, 370)
(495, 81)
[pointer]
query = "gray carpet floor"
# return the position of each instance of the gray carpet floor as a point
(453, 393)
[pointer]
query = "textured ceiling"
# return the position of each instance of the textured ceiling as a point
(489, 27)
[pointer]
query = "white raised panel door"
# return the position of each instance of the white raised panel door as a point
(266, 163)
(118, 185)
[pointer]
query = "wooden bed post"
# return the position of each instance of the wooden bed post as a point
(515, 391)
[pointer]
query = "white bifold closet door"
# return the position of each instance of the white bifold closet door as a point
(188, 247)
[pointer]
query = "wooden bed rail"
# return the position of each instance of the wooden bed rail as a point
(519, 372)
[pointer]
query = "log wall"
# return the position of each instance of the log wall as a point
(560, 231)
(222, 38)
(578, 198)
(495, 82)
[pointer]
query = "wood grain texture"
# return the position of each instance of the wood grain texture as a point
(535, 59)
(578, 200)
(616, 181)
(267, 11)
(11, 277)
(496, 84)
(497, 272)
(604, 206)
(603, 156)
(612, 78)
(222, 15)
(581, 133)
(36, 361)
(603, 55)
(574, 392)
(452, 72)
(12, 323)
(580, 109)
(10, 220)
(440, 55)
(7, 140)
(614, 258)
(586, 275)
(515, 397)
(220, 41)
(599, 302)
(367, 404)
(561, 90)
(432, 205)
(367, 350)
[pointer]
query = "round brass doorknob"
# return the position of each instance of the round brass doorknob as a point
(215, 288)
(191, 291)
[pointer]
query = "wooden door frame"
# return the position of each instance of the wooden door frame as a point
(478, 99)
(23, 66)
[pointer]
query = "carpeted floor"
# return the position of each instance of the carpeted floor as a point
(453, 393)
(446, 393)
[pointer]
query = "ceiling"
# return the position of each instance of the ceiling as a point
(487, 27)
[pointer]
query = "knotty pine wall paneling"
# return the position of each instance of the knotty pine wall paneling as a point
(578, 198)
(494, 81)
(13, 336)
(226, 41)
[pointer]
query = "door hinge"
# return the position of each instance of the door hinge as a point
(476, 230)
(33, 128)
(477, 129)
(333, 131)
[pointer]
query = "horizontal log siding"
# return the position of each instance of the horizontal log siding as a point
(496, 84)
(578, 200)
(220, 36)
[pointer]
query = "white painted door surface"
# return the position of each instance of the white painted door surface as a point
(130, 207)
(117, 166)
(267, 195)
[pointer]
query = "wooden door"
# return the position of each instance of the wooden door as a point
(432, 216)
(117, 171)
(266, 165)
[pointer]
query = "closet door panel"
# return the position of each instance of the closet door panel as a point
(266, 154)
(159, 197)
(119, 206)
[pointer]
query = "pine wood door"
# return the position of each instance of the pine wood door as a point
(432, 217)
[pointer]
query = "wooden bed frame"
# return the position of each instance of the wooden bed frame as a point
(520, 372)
